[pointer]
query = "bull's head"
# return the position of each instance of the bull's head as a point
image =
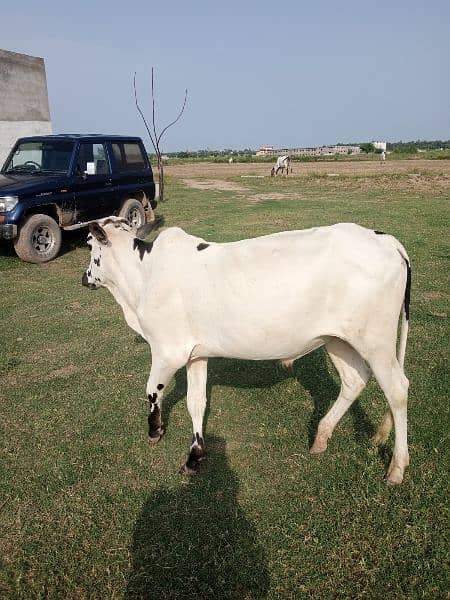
(106, 236)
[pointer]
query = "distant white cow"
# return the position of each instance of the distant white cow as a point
(279, 297)
(283, 163)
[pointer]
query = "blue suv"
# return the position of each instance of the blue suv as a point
(62, 182)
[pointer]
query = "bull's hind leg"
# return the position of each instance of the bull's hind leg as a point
(394, 384)
(196, 403)
(354, 374)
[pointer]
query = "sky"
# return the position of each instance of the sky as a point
(284, 74)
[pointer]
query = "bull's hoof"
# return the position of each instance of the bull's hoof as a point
(190, 470)
(155, 436)
(394, 476)
(393, 480)
(379, 439)
(319, 446)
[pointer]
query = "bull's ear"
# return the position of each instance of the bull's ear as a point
(143, 231)
(99, 233)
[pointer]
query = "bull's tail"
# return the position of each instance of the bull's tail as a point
(405, 308)
(405, 315)
(387, 422)
(407, 298)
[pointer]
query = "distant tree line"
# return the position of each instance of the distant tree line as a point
(216, 153)
(418, 145)
(408, 147)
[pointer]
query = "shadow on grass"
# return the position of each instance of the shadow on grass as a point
(311, 371)
(196, 542)
(70, 241)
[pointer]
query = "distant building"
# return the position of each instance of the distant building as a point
(264, 151)
(379, 146)
(24, 106)
(313, 151)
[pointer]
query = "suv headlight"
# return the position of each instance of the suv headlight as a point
(8, 203)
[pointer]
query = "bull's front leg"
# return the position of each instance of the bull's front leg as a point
(196, 403)
(160, 375)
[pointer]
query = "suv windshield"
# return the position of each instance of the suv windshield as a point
(47, 156)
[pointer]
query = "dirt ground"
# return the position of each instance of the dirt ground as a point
(362, 168)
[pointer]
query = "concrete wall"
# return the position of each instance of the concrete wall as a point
(24, 106)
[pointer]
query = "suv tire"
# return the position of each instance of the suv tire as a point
(39, 239)
(133, 211)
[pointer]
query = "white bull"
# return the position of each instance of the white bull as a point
(283, 162)
(274, 297)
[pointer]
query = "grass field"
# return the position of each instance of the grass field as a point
(89, 510)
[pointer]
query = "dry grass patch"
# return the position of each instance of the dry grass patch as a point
(219, 185)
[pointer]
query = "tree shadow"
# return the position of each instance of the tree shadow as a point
(196, 542)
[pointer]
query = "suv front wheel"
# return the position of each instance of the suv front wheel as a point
(133, 211)
(39, 239)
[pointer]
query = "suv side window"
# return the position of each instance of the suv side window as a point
(128, 156)
(92, 159)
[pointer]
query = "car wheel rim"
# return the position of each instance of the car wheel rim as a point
(134, 217)
(43, 240)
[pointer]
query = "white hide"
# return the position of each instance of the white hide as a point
(283, 162)
(278, 296)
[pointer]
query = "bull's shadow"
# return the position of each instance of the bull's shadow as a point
(196, 542)
(312, 372)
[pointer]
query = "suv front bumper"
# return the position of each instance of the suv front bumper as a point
(8, 231)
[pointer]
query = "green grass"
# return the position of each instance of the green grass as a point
(89, 510)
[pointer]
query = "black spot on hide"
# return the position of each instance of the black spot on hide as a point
(152, 398)
(97, 261)
(379, 232)
(142, 247)
(202, 246)
(160, 386)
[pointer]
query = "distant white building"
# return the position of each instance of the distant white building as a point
(379, 146)
(265, 151)
(313, 151)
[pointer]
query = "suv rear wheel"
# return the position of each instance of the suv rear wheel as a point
(134, 212)
(39, 239)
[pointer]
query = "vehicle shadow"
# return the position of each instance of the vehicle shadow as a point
(71, 240)
(312, 372)
(195, 541)
(7, 249)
